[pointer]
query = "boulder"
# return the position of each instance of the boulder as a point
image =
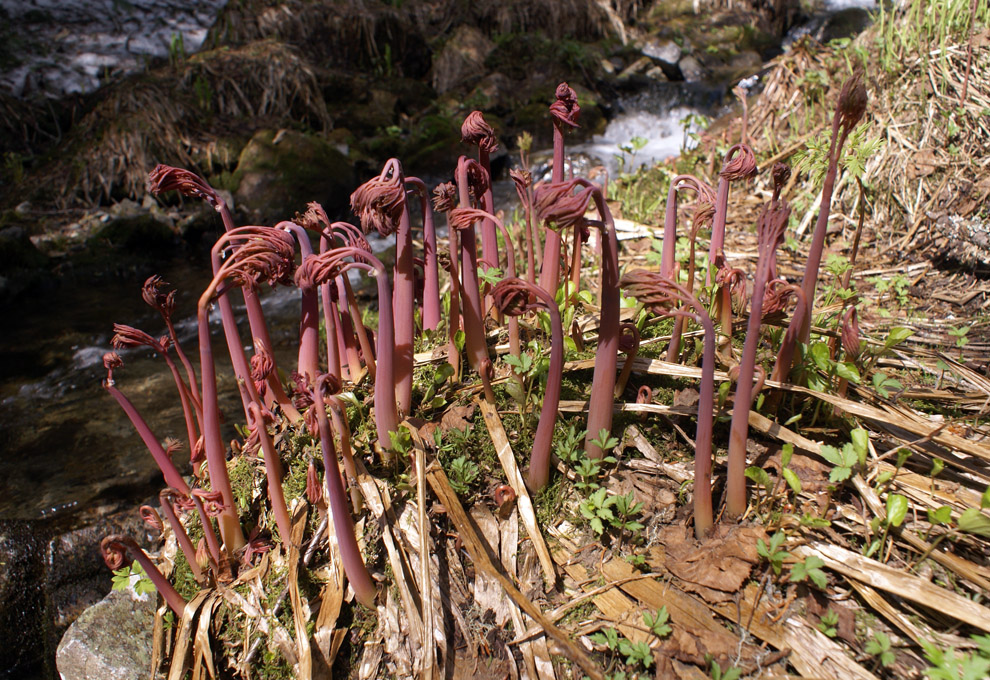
(140, 233)
(279, 172)
(666, 51)
(691, 69)
(111, 640)
(17, 252)
(22, 597)
(846, 23)
(462, 59)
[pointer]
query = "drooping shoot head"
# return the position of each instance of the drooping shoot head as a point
(166, 178)
(852, 101)
(740, 163)
(258, 254)
(522, 178)
(445, 197)
(152, 294)
(514, 297)
(556, 205)
(127, 336)
(565, 109)
(379, 202)
(780, 173)
(111, 360)
(478, 132)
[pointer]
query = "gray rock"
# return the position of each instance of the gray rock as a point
(691, 69)
(657, 73)
(638, 66)
(666, 51)
(462, 59)
(110, 641)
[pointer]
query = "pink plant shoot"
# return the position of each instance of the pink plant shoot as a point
(564, 112)
(117, 548)
(111, 360)
(512, 296)
(667, 298)
(770, 234)
(380, 203)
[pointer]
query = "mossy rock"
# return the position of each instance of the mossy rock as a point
(17, 252)
(142, 234)
(279, 172)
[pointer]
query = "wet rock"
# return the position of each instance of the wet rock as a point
(48, 577)
(494, 89)
(666, 51)
(377, 110)
(846, 23)
(22, 265)
(18, 252)
(139, 233)
(739, 65)
(280, 172)
(22, 601)
(111, 640)
(75, 575)
(462, 59)
(657, 73)
(691, 69)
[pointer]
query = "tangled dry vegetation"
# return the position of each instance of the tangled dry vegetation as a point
(862, 551)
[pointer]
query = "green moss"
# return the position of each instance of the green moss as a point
(242, 481)
(182, 577)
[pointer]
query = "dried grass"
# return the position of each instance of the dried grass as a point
(180, 117)
(924, 172)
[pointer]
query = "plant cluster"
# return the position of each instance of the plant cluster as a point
(304, 421)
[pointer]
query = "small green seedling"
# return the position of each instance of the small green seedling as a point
(884, 384)
(636, 560)
(626, 508)
(846, 458)
(951, 665)
(597, 509)
(811, 569)
(657, 623)
(636, 653)
(606, 636)
(789, 476)
(124, 576)
(730, 673)
(897, 507)
(568, 448)
(772, 553)
(879, 646)
(828, 624)
(606, 442)
(960, 335)
(462, 474)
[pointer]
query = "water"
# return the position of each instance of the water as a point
(76, 46)
(66, 443)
